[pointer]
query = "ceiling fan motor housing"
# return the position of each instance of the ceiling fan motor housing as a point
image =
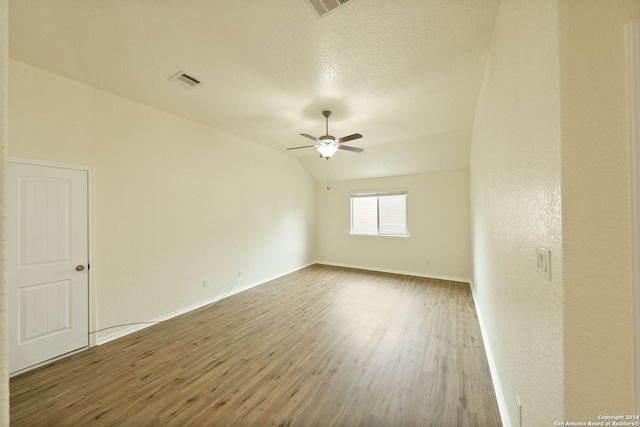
(327, 140)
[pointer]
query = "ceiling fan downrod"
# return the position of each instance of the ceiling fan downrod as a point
(326, 114)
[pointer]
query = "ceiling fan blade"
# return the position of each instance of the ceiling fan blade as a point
(304, 146)
(348, 148)
(309, 136)
(349, 138)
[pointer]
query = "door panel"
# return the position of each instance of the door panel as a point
(44, 205)
(47, 240)
(44, 310)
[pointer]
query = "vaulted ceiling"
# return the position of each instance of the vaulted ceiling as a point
(405, 74)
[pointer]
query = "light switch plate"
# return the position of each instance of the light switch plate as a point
(543, 262)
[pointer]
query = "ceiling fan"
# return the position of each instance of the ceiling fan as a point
(327, 145)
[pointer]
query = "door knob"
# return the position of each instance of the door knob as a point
(80, 268)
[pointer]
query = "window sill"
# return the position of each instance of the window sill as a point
(392, 236)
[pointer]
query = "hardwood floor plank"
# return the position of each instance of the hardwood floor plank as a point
(324, 346)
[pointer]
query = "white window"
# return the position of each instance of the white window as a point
(380, 213)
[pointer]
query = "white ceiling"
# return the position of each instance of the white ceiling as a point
(405, 74)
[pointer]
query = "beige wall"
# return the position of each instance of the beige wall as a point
(632, 49)
(550, 168)
(4, 70)
(598, 321)
(515, 203)
(176, 202)
(437, 217)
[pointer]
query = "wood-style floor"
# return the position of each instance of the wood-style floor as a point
(324, 346)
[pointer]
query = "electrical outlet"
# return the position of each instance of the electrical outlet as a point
(205, 283)
(543, 262)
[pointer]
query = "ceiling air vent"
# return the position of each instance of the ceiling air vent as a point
(184, 79)
(323, 7)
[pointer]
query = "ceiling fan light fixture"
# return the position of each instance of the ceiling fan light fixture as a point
(327, 144)
(327, 151)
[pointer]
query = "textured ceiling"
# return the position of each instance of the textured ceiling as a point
(405, 74)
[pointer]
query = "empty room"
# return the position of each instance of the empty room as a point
(320, 213)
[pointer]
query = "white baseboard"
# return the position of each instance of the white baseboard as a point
(142, 325)
(200, 304)
(406, 273)
(502, 403)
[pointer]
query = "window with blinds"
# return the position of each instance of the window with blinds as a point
(379, 213)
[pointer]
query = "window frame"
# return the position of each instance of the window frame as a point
(377, 194)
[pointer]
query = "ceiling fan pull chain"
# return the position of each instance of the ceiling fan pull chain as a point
(328, 186)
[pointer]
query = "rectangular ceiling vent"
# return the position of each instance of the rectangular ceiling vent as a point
(323, 7)
(184, 79)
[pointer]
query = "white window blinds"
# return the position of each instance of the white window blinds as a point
(364, 215)
(392, 215)
(379, 213)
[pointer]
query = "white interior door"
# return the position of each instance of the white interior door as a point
(47, 256)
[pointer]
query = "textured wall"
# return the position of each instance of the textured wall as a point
(515, 203)
(549, 167)
(437, 218)
(176, 202)
(4, 64)
(598, 345)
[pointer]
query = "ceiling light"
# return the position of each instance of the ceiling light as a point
(327, 151)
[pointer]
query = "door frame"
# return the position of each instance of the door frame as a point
(91, 256)
(632, 45)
